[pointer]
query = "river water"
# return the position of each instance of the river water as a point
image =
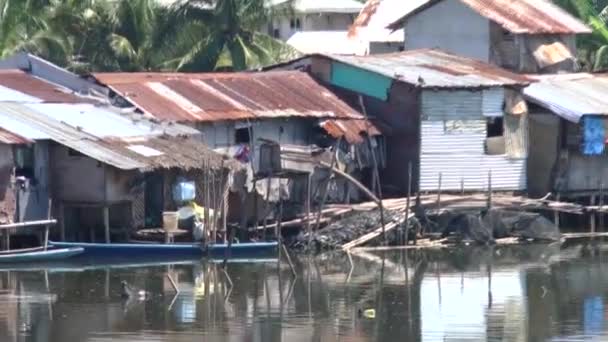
(518, 293)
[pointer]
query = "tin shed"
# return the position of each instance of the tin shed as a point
(446, 117)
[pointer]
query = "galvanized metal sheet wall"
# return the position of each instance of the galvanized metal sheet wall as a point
(473, 170)
(493, 101)
(451, 105)
(462, 104)
(453, 133)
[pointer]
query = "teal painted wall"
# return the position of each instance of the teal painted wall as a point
(361, 81)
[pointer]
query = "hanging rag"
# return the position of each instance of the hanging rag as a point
(594, 136)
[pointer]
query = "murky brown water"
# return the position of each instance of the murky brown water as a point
(532, 293)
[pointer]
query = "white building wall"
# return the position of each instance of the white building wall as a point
(310, 22)
(451, 26)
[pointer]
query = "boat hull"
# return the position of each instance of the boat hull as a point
(41, 256)
(257, 249)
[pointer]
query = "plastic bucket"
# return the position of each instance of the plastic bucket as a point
(170, 220)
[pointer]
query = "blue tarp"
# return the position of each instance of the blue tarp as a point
(594, 136)
(593, 316)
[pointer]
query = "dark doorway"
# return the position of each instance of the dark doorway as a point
(154, 200)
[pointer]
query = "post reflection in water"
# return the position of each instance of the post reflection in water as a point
(522, 293)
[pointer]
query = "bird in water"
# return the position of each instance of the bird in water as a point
(128, 291)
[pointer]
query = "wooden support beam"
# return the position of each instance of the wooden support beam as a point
(352, 180)
(372, 235)
(106, 222)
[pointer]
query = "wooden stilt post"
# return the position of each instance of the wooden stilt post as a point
(48, 227)
(266, 206)
(326, 188)
(212, 206)
(462, 186)
(556, 212)
(278, 228)
(205, 207)
(601, 204)
(106, 222)
(592, 216)
(439, 192)
(255, 204)
(489, 189)
(408, 202)
(308, 225)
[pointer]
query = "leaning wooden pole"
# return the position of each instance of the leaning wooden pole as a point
(326, 188)
(375, 162)
(352, 180)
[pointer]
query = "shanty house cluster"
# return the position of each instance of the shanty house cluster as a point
(476, 95)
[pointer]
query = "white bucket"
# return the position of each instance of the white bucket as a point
(170, 219)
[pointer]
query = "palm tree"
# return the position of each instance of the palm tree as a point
(593, 49)
(23, 28)
(106, 36)
(222, 34)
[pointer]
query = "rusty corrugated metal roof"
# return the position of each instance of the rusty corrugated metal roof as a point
(516, 16)
(7, 137)
(232, 96)
(429, 68)
(33, 89)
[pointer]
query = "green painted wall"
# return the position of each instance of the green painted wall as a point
(361, 81)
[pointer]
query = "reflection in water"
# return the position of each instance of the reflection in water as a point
(531, 293)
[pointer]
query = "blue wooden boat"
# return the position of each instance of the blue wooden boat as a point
(254, 249)
(40, 255)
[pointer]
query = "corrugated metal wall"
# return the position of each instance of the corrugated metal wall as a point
(453, 134)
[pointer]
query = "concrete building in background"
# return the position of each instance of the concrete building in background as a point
(292, 16)
(525, 36)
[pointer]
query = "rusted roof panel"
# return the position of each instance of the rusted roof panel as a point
(372, 22)
(429, 68)
(7, 137)
(35, 89)
(231, 96)
(516, 16)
